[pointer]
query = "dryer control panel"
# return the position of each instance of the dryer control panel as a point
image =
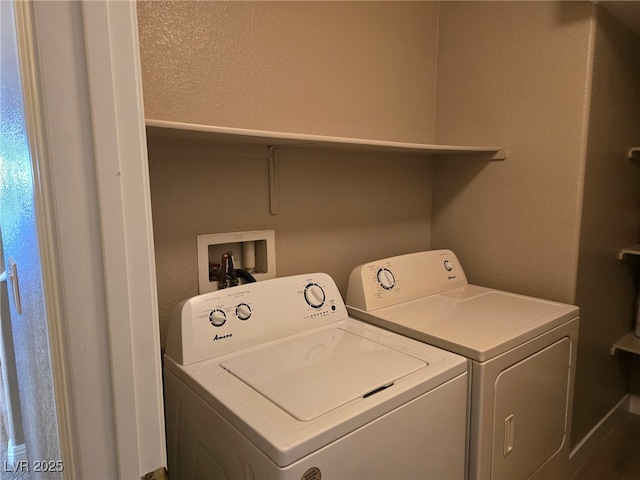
(403, 278)
(224, 321)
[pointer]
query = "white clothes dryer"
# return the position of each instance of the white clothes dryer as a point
(522, 352)
(273, 380)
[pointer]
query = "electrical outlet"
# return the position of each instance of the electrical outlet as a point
(254, 251)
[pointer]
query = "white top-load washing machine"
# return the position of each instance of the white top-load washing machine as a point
(273, 380)
(522, 352)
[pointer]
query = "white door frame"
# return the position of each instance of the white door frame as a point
(93, 181)
(115, 84)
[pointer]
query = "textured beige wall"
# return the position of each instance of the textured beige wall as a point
(331, 216)
(352, 69)
(557, 86)
(514, 73)
(362, 69)
(610, 221)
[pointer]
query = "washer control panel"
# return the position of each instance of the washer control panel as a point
(223, 321)
(403, 278)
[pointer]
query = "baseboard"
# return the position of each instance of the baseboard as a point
(16, 453)
(591, 441)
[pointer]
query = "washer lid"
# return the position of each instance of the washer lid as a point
(325, 361)
(307, 377)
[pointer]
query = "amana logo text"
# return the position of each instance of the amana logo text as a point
(222, 337)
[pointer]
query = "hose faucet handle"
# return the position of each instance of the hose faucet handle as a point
(224, 265)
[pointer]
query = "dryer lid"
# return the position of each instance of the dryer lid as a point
(312, 375)
(473, 321)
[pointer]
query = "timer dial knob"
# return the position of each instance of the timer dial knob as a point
(217, 318)
(314, 295)
(386, 278)
(243, 311)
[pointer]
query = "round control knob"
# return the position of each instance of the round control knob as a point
(386, 278)
(243, 311)
(217, 318)
(448, 266)
(314, 295)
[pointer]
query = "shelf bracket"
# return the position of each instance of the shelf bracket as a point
(274, 194)
(629, 343)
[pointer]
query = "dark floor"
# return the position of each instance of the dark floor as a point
(618, 455)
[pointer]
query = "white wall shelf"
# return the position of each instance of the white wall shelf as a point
(227, 135)
(632, 250)
(628, 343)
(275, 141)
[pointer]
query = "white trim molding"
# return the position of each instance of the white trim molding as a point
(16, 453)
(117, 114)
